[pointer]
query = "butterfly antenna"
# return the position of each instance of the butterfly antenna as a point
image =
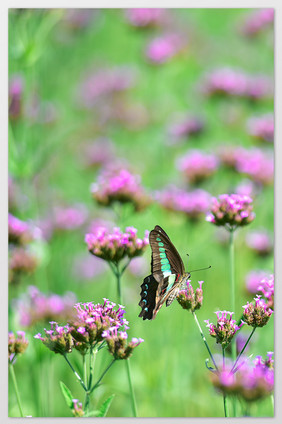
(187, 255)
(200, 269)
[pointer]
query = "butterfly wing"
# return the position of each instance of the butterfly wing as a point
(166, 268)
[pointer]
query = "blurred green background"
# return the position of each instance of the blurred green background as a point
(168, 369)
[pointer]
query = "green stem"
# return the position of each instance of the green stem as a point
(12, 371)
(98, 382)
(224, 395)
(75, 373)
(133, 401)
(204, 339)
(92, 358)
(232, 294)
(242, 351)
(84, 369)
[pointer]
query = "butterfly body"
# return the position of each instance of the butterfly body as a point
(167, 276)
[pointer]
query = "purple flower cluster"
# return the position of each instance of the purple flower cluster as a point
(19, 231)
(116, 245)
(58, 339)
(260, 242)
(229, 82)
(231, 210)
(190, 299)
(16, 87)
(193, 203)
(102, 85)
(257, 314)
(117, 343)
(257, 22)
(146, 17)
(119, 185)
(185, 128)
(250, 382)
(22, 261)
(197, 166)
(36, 306)
(225, 329)
(262, 128)
(16, 344)
(77, 408)
(254, 279)
(163, 48)
(267, 289)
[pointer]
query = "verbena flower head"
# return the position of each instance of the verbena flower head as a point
(190, 299)
(163, 48)
(19, 231)
(116, 245)
(250, 382)
(16, 344)
(58, 339)
(185, 128)
(119, 185)
(35, 306)
(117, 343)
(260, 242)
(230, 82)
(146, 17)
(254, 279)
(257, 21)
(262, 128)
(256, 165)
(267, 288)
(231, 211)
(257, 314)
(197, 166)
(225, 329)
(77, 408)
(192, 203)
(91, 320)
(21, 261)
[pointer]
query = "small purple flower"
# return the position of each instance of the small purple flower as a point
(197, 166)
(17, 344)
(231, 211)
(190, 299)
(257, 21)
(119, 185)
(163, 48)
(225, 329)
(116, 245)
(262, 128)
(58, 339)
(257, 314)
(118, 345)
(192, 203)
(77, 408)
(146, 17)
(260, 242)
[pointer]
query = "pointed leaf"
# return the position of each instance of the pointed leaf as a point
(95, 413)
(105, 406)
(67, 395)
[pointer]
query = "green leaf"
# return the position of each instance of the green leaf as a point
(67, 395)
(105, 406)
(95, 413)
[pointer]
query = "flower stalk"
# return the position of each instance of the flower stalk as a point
(13, 375)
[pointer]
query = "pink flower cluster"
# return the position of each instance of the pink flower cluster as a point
(146, 17)
(69, 218)
(36, 306)
(258, 21)
(116, 245)
(230, 82)
(19, 231)
(185, 128)
(254, 279)
(225, 329)
(58, 339)
(191, 203)
(197, 166)
(267, 289)
(119, 185)
(21, 261)
(190, 299)
(257, 314)
(260, 242)
(250, 382)
(262, 128)
(117, 343)
(104, 83)
(231, 210)
(163, 48)
(16, 344)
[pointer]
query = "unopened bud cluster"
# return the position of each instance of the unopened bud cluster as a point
(16, 344)
(257, 314)
(225, 328)
(118, 345)
(58, 339)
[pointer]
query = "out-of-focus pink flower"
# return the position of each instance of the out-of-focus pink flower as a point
(257, 22)
(16, 87)
(246, 188)
(146, 17)
(197, 166)
(192, 203)
(267, 289)
(69, 218)
(262, 128)
(163, 48)
(20, 232)
(185, 128)
(88, 267)
(230, 82)
(78, 18)
(138, 266)
(260, 242)
(98, 152)
(254, 280)
(21, 262)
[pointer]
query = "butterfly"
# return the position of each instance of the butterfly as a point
(167, 276)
